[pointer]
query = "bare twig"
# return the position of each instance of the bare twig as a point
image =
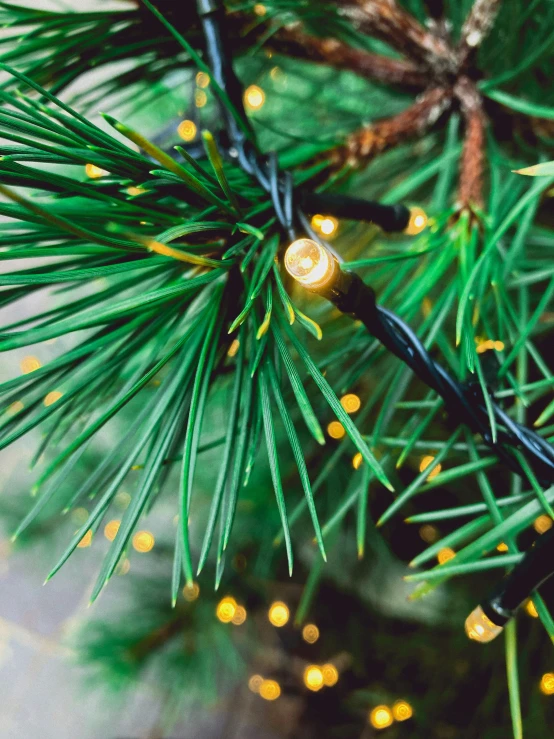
(476, 27)
(472, 161)
(387, 132)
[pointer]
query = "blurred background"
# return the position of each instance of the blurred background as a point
(338, 650)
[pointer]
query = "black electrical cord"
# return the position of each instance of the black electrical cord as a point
(351, 295)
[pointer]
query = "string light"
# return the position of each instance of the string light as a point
(381, 717)
(95, 172)
(200, 98)
(547, 683)
(542, 524)
(226, 609)
(191, 592)
(480, 628)
(111, 529)
(310, 633)
(254, 97)
(143, 541)
(325, 225)
(29, 364)
(429, 533)
(445, 555)
(531, 609)
(255, 683)
(202, 79)
(233, 349)
(310, 264)
(351, 403)
(278, 614)
(270, 690)
(336, 430)
(52, 398)
(402, 710)
(418, 221)
(86, 541)
(313, 678)
(357, 460)
(427, 461)
(187, 130)
(330, 675)
(239, 616)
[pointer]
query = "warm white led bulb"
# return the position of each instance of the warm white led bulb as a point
(480, 628)
(309, 263)
(418, 221)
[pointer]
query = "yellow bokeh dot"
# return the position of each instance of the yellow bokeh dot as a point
(94, 172)
(429, 533)
(325, 225)
(29, 364)
(123, 567)
(426, 462)
(418, 221)
(330, 675)
(255, 683)
(233, 349)
(402, 711)
(357, 460)
(335, 430)
(187, 130)
(200, 98)
(15, 407)
(202, 79)
(260, 9)
(52, 398)
(134, 191)
(239, 616)
(143, 541)
(542, 523)
(445, 555)
(226, 609)
(191, 592)
(502, 547)
(547, 683)
(111, 529)
(79, 516)
(122, 499)
(381, 717)
(270, 690)
(351, 403)
(310, 633)
(254, 97)
(313, 678)
(86, 541)
(531, 609)
(278, 613)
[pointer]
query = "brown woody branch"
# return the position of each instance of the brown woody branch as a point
(473, 154)
(386, 20)
(292, 41)
(387, 132)
(477, 26)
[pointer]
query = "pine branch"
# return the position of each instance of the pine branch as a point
(473, 154)
(477, 26)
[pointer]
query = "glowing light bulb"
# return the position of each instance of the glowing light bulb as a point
(313, 678)
(502, 547)
(52, 398)
(335, 430)
(427, 461)
(226, 609)
(531, 610)
(86, 541)
(330, 675)
(202, 79)
(445, 555)
(310, 263)
(402, 711)
(278, 614)
(191, 592)
(547, 683)
(480, 628)
(326, 225)
(380, 717)
(357, 460)
(187, 130)
(254, 97)
(418, 221)
(542, 523)
(270, 690)
(310, 633)
(111, 529)
(143, 541)
(351, 403)
(240, 616)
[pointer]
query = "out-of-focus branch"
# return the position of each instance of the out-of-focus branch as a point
(386, 20)
(387, 132)
(292, 41)
(476, 27)
(472, 161)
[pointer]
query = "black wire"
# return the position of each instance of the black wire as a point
(465, 402)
